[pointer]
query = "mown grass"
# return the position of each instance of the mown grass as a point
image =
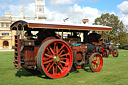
(114, 72)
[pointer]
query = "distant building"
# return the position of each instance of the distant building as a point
(7, 35)
(39, 9)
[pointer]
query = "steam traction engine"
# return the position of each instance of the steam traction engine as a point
(43, 46)
(107, 48)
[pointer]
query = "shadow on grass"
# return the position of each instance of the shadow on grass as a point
(27, 73)
(85, 68)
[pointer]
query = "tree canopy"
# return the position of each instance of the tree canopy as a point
(118, 34)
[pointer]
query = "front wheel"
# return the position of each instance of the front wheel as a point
(95, 62)
(55, 58)
(115, 52)
(105, 53)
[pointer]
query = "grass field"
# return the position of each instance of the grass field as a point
(114, 72)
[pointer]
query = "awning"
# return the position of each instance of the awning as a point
(53, 25)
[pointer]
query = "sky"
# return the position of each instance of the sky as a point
(75, 10)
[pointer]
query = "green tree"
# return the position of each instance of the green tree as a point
(118, 33)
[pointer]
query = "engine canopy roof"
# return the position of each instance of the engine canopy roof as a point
(53, 25)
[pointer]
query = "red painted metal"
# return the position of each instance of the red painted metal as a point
(17, 59)
(58, 67)
(115, 53)
(74, 48)
(78, 67)
(55, 55)
(97, 62)
(104, 53)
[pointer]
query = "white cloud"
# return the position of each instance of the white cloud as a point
(93, 0)
(75, 14)
(60, 2)
(123, 18)
(28, 10)
(113, 13)
(54, 15)
(123, 7)
(3, 6)
(91, 13)
(15, 10)
(123, 15)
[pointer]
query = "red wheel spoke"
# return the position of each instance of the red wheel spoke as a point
(53, 69)
(57, 49)
(61, 48)
(48, 55)
(48, 51)
(61, 52)
(96, 57)
(97, 66)
(54, 47)
(59, 68)
(62, 62)
(63, 58)
(65, 54)
(93, 62)
(45, 59)
(93, 65)
(61, 65)
(98, 60)
(50, 67)
(46, 62)
(51, 50)
(47, 66)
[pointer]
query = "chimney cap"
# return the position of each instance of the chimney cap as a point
(85, 20)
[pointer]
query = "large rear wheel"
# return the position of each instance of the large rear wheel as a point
(55, 58)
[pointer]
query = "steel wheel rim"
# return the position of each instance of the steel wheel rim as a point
(114, 53)
(105, 53)
(97, 63)
(57, 59)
